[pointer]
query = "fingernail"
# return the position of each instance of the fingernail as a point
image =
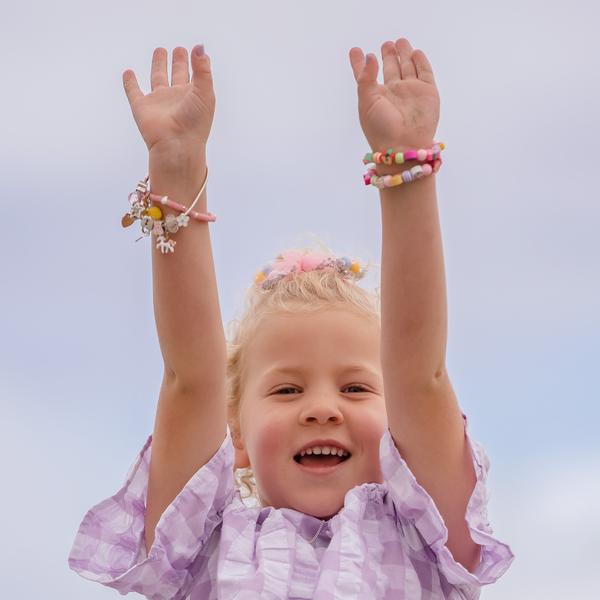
(199, 50)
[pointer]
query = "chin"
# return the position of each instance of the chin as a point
(322, 509)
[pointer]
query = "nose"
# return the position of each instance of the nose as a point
(321, 409)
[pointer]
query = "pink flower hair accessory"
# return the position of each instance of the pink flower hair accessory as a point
(294, 261)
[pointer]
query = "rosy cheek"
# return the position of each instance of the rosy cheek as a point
(271, 438)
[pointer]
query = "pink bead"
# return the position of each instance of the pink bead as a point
(410, 155)
(421, 154)
(427, 169)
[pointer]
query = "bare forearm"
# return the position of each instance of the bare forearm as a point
(413, 286)
(186, 303)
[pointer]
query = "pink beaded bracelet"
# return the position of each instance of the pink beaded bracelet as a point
(151, 217)
(203, 217)
(398, 158)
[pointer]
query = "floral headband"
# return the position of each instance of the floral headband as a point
(293, 261)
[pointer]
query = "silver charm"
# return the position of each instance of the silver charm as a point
(147, 224)
(165, 245)
(137, 210)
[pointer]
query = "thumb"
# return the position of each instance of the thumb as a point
(201, 71)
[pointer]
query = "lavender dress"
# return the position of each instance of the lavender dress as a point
(386, 542)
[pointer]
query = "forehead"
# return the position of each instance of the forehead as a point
(342, 339)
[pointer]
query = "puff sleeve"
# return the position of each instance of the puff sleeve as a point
(413, 503)
(109, 546)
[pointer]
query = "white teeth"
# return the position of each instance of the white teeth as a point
(324, 450)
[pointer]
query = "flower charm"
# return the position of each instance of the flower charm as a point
(183, 220)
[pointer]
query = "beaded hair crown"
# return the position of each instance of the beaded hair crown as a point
(293, 261)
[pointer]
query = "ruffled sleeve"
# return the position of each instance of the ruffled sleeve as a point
(414, 504)
(109, 546)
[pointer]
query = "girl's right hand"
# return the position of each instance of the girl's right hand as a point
(179, 114)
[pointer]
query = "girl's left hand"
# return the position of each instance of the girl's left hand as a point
(403, 113)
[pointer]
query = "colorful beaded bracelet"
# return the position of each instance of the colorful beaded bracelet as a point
(431, 156)
(390, 157)
(416, 172)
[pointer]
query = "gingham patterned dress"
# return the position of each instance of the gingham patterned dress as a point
(387, 542)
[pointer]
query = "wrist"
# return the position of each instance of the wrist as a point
(177, 158)
(177, 155)
(178, 175)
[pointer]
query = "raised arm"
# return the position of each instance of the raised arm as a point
(175, 122)
(423, 413)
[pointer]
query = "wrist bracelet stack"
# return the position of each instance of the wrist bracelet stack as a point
(151, 216)
(431, 157)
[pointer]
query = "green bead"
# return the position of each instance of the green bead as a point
(399, 158)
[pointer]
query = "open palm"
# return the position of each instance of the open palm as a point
(181, 112)
(404, 111)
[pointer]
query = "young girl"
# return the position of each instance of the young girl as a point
(358, 493)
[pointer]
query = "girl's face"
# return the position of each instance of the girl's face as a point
(311, 377)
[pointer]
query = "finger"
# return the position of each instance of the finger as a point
(158, 73)
(132, 89)
(365, 68)
(369, 75)
(424, 70)
(180, 74)
(407, 68)
(357, 62)
(202, 73)
(391, 64)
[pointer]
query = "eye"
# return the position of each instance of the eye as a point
(360, 388)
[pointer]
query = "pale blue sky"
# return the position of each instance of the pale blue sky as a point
(80, 365)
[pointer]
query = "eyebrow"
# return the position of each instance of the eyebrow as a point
(298, 371)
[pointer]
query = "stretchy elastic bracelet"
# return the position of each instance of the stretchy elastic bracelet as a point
(416, 172)
(430, 156)
(390, 157)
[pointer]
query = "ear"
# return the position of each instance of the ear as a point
(241, 456)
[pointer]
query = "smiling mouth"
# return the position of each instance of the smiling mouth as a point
(320, 462)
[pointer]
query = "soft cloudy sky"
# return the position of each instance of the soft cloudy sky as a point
(80, 365)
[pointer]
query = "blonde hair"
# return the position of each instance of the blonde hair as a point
(299, 292)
